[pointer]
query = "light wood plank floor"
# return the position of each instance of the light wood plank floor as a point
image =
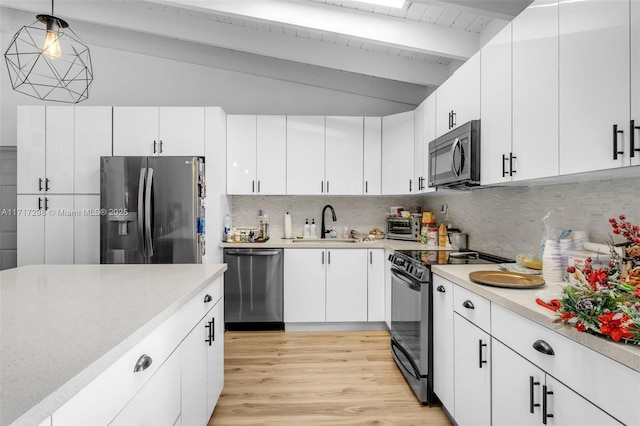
(319, 378)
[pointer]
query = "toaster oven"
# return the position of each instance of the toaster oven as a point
(404, 228)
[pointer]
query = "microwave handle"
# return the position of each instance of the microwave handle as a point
(452, 154)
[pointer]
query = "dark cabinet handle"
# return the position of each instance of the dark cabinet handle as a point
(258, 187)
(253, 186)
(327, 187)
(46, 184)
(322, 187)
(370, 258)
(504, 168)
(615, 142)
(632, 142)
(160, 150)
(441, 289)
(155, 145)
(39, 203)
(468, 304)
(39, 184)
(480, 360)
(410, 185)
(328, 258)
(323, 257)
(366, 186)
(211, 337)
(143, 363)
(511, 158)
(545, 414)
(543, 347)
(208, 298)
(532, 404)
(46, 203)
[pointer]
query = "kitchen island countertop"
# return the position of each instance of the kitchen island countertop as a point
(63, 325)
(335, 244)
(523, 302)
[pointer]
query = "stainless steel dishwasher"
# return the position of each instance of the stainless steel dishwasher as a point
(253, 289)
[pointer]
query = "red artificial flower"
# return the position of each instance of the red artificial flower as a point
(599, 276)
(566, 316)
(613, 324)
(637, 292)
(580, 326)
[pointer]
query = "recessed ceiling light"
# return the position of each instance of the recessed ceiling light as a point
(399, 4)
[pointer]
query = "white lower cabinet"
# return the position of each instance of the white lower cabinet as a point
(443, 341)
(160, 380)
(525, 395)
(375, 285)
(472, 373)
(325, 285)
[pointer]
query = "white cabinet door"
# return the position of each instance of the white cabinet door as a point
(344, 151)
(635, 81)
(458, 98)
(387, 288)
(472, 373)
(516, 396)
(346, 285)
(496, 108)
(535, 92)
(375, 285)
(92, 139)
(305, 155)
(135, 131)
(30, 229)
(304, 285)
(215, 357)
(271, 161)
(86, 229)
(58, 229)
(593, 29)
(429, 135)
(419, 147)
(241, 154)
(181, 131)
(59, 150)
(194, 379)
(31, 149)
(372, 155)
(443, 379)
(397, 145)
(158, 402)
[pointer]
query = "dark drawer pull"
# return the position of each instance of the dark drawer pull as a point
(441, 289)
(208, 298)
(480, 360)
(468, 304)
(543, 347)
(545, 405)
(532, 404)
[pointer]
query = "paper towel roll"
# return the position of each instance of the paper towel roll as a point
(602, 249)
(287, 225)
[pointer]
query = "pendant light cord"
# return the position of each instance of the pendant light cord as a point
(52, 14)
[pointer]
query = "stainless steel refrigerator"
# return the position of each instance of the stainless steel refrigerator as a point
(152, 209)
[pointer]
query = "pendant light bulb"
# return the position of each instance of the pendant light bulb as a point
(51, 46)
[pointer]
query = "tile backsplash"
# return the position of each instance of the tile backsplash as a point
(502, 220)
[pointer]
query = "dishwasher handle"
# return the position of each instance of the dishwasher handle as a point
(241, 252)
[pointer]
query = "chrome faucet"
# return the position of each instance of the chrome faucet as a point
(323, 229)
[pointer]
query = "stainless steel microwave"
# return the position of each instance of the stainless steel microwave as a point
(454, 158)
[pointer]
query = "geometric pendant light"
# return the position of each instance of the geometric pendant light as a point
(48, 61)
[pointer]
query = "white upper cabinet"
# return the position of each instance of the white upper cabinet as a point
(344, 152)
(397, 147)
(31, 151)
(594, 85)
(271, 160)
(429, 135)
(458, 98)
(496, 109)
(92, 139)
(59, 150)
(535, 91)
(419, 148)
(158, 131)
(635, 83)
(372, 155)
(241, 154)
(305, 155)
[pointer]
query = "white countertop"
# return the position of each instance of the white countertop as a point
(523, 302)
(63, 325)
(335, 244)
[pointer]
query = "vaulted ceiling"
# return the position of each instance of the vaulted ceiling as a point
(400, 54)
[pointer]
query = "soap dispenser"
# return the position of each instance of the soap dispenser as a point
(312, 230)
(306, 232)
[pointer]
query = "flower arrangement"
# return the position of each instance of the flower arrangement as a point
(605, 299)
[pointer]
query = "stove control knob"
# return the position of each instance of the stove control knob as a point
(418, 273)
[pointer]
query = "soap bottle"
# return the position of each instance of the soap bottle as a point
(442, 235)
(312, 229)
(307, 230)
(334, 234)
(227, 227)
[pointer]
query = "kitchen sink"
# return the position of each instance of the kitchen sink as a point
(324, 240)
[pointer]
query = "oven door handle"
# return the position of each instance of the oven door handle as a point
(456, 144)
(405, 280)
(395, 347)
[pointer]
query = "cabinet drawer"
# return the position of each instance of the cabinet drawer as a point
(198, 307)
(475, 308)
(585, 371)
(104, 397)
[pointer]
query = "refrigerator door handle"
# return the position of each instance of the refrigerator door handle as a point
(141, 211)
(148, 213)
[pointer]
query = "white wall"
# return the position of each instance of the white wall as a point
(123, 78)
